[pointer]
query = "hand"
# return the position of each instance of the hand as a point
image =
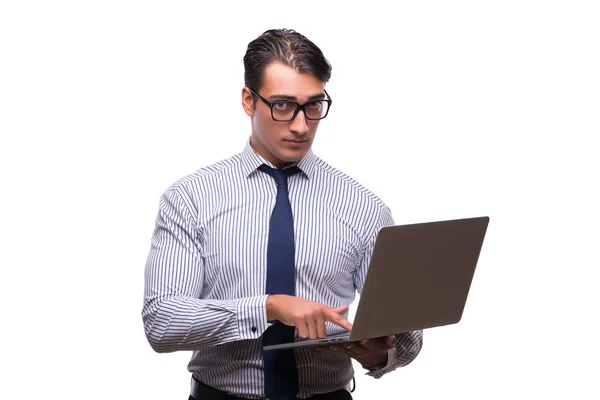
(307, 316)
(368, 352)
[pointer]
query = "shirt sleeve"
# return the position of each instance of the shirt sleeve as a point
(408, 344)
(174, 316)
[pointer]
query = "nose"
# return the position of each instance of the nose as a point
(298, 124)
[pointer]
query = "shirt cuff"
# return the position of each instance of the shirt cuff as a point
(252, 317)
(392, 353)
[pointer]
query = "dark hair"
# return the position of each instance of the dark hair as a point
(288, 47)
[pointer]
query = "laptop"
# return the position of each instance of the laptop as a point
(419, 277)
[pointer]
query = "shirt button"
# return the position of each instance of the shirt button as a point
(254, 330)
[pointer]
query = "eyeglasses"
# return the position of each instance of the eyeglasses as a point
(285, 111)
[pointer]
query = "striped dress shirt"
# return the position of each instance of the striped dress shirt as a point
(205, 275)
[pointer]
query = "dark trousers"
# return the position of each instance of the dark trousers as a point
(200, 391)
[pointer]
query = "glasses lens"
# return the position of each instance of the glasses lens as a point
(284, 111)
(316, 109)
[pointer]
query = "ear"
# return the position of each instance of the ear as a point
(248, 101)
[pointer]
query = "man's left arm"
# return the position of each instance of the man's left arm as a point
(400, 350)
(382, 355)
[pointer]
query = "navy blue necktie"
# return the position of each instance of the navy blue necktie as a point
(281, 375)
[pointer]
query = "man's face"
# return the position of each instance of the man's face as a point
(282, 143)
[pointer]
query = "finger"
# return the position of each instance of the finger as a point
(383, 343)
(353, 349)
(369, 344)
(311, 323)
(340, 310)
(337, 347)
(338, 320)
(321, 329)
(321, 347)
(390, 341)
(380, 344)
(302, 329)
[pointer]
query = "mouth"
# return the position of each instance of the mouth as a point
(296, 144)
(296, 141)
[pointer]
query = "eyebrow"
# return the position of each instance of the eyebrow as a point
(275, 97)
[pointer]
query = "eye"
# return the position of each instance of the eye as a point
(314, 105)
(282, 106)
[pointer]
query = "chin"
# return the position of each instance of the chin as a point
(291, 156)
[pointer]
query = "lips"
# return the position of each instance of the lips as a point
(296, 144)
(296, 141)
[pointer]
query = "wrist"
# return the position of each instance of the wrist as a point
(270, 305)
(375, 361)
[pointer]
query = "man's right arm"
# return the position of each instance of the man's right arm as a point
(308, 317)
(174, 316)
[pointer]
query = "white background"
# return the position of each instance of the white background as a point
(444, 109)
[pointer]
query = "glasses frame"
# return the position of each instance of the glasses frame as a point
(298, 106)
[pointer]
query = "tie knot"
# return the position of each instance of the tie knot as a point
(280, 175)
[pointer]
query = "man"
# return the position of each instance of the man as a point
(267, 245)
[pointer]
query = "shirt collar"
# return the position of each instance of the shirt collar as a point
(251, 160)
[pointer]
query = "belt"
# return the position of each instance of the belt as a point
(200, 391)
